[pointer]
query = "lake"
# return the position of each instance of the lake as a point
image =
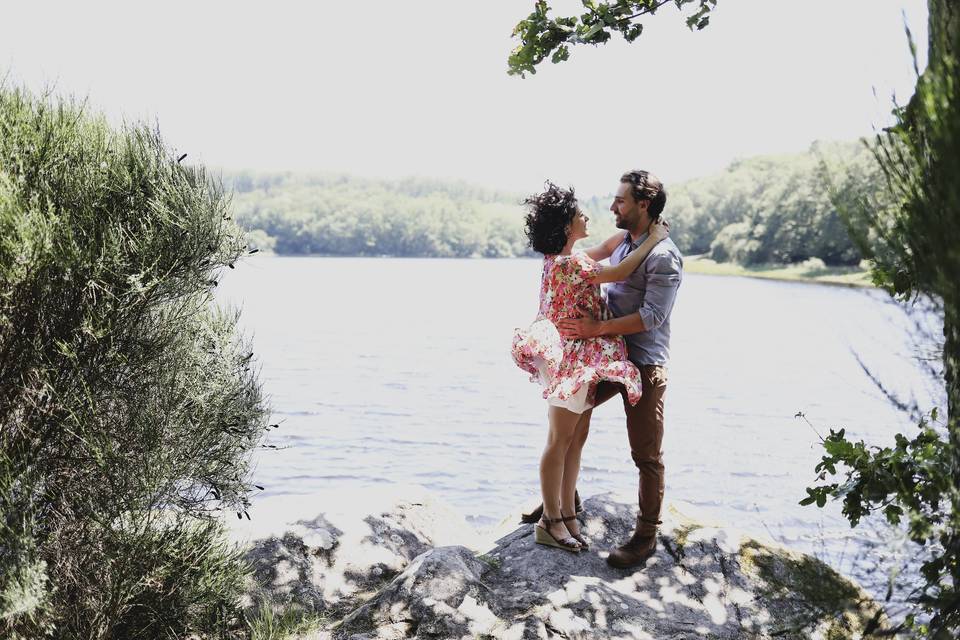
(398, 371)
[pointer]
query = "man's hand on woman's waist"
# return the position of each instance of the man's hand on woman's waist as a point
(586, 326)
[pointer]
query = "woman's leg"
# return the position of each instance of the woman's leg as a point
(571, 469)
(563, 425)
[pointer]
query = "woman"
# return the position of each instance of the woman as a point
(570, 369)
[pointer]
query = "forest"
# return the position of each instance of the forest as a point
(759, 210)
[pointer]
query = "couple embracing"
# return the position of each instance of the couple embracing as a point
(585, 349)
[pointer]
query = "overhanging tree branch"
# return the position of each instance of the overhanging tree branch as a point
(541, 36)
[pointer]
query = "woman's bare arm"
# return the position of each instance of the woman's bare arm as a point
(606, 248)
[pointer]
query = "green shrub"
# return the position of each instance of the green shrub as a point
(128, 408)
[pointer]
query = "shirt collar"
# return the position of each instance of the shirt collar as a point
(639, 240)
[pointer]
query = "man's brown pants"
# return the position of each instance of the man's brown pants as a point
(645, 431)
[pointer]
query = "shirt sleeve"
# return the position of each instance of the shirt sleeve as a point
(662, 273)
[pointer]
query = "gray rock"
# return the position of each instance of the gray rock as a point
(412, 570)
(704, 582)
(332, 562)
(440, 595)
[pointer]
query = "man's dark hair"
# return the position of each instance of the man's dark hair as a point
(550, 214)
(646, 186)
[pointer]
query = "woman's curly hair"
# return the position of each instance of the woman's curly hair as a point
(551, 212)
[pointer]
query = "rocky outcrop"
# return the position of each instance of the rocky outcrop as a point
(331, 562)
(704, 581)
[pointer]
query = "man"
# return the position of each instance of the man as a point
(641, 306)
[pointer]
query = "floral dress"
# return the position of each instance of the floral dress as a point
(571, 363)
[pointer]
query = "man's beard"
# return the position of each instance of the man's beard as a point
(621, 223)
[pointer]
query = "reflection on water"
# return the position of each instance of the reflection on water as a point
(399, 371)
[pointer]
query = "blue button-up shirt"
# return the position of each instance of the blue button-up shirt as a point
(649, 291)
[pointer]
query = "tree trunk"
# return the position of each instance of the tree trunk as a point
(944, 43)
(944, 23)
(951, 362)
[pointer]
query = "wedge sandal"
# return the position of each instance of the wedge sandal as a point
(542, 536)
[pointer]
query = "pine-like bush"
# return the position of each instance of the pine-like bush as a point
(128, 408)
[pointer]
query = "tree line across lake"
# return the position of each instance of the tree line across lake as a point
(769, 209)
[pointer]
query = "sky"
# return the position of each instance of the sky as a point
(419, 88)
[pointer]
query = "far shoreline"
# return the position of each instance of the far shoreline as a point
(850, 277)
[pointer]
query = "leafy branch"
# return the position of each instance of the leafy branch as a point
(912, 479)
(541, 36)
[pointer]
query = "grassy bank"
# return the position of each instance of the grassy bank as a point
(809, 271)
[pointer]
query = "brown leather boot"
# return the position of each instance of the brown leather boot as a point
(641, 545)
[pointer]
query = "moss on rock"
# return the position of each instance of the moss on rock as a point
(822, 601)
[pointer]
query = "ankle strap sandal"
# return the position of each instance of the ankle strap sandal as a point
(576, 536)
(542, 536)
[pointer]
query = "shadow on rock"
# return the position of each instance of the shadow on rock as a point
(333, 562)
(704, 581)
